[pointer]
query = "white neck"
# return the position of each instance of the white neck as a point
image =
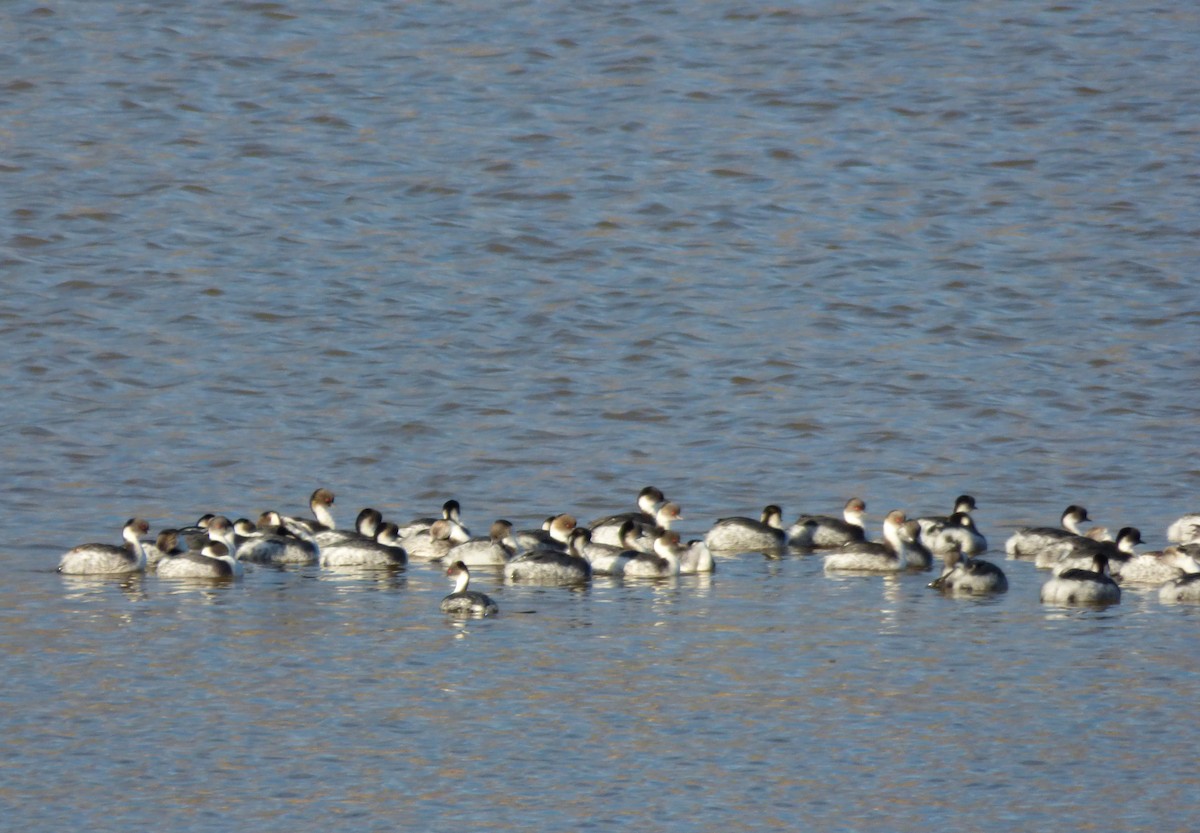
(139, 551)
(369, 526)
(225, 537)
(891, 534)
(300, 531)
(665, 549)
(323, 515)
(458, 534)
(233, 563)
(461, 581)
(130, 534)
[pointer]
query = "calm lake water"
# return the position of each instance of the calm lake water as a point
(535, 257)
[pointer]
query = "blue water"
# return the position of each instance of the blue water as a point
(534, 258)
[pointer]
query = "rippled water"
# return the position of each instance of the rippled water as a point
(536, 257)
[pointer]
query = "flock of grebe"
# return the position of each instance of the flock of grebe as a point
(1086, 566)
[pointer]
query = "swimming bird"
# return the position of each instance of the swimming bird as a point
(220, 529)
(1078, 551)
(195, 536)
(360, 547)
(167, 543)
(1173, 562)
(430, 544)
(969, 576)
(108, 559)
(320, 503)
(747, 534)
(1185, 530)
(553, 535)
(605, 530)
(1028, 541)
(640, 535)
(213, 561)
(276, 540)
(1083, 586)
(451, 511)
(956, 532)
(899, 550)
(1183, 589)
(606, 560)
(492, 551)
(826, 531)
(545, 566)
(662, 563)
(463, 601)
(696, 557)
(963, 503)
(364, 552)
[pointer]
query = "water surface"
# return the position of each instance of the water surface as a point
(536, 258)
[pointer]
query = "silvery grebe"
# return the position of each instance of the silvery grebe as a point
(107, 559)
(969, 576)
(463, 601)
(1029, 541)
(826, 531)
(1083, 586)
(898, 551)
(747, 534)
(213, 561)
(493, 551)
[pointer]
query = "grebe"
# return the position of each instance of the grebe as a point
(826, 531)
(320, 503)
(1185, 589)
(257, 545)
(1083, 586)
(463, 601)
(214, 561)
(433, 543)
(1029, 541)
(107, 559)
(963, 503)
(641, 535)
(1078, 552)
(195, 535)
(553, 535)
(275, 540)
(648, 501)
(221, 530)
(167, 543)
(898, 551)
(695, 557)
(1169, 564)
(662, 563)
(548, 567)
(1185, 530)
(606, 560)
(969, 576)
(364, 552)
(360, 548)
(957, 532)
(493, 551)
(451, 511)
(747, 534)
